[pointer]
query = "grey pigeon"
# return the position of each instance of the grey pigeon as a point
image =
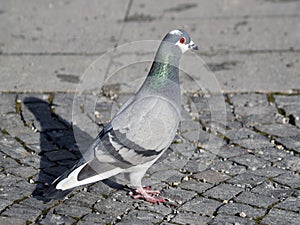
(141, 130)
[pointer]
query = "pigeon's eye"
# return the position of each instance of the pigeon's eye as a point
(182, 40)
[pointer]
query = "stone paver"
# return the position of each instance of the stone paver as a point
(236, 157)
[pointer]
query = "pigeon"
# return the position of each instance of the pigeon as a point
(140, 132)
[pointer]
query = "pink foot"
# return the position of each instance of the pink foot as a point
(147, 194)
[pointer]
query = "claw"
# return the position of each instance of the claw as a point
(147, 194)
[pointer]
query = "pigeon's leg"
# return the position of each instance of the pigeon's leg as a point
(147, 194)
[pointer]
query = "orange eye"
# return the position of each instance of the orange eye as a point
(182, 40)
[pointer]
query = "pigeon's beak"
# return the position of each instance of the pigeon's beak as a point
(193, 46)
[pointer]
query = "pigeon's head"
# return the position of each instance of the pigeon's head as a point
(181, 39)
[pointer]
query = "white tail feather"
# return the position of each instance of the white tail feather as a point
(71, 181)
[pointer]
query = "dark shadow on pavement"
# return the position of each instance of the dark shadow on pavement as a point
(59, 151)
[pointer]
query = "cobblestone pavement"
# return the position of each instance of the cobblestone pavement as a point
(253, 178)
(238, 165)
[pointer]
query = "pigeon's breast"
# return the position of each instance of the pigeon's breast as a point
(151, 122)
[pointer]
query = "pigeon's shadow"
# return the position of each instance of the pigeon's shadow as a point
(58, 148)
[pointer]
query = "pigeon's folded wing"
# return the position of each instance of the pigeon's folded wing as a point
(143, 130)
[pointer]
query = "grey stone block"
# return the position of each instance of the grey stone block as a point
(32, 160)
(83, 199)
(291, 204)
(7, 162)
(169, 160)
(141, 217)
(211, 176)
(287, 100)
(197, 136)
(255, 143)
(200, 205)
(273, 190)
(292, 143)
(251, 162)
(12, 221)
(272, 154)
(254, 120)
(229, 151)
(281, 217)
(247, 179)
(164, 175)
(236, 209)
(111, 206)
(269, 171)
(7, 103)
(157, 208)
(280, 130)
(100, 189)
(289, 179)
(52, 218)
(291, 163)
(178, 195)
(72, 210)
(223, 192)
(22, 171)
(5, 203)
(225, 219)
(12, 148)
(13, 124)
(17, 190)
(184, 148)
(190, 218)
(248, 99)
(254, 199)
(228, 167)
(200, 162)
(36, 204)
(246, 112)
(196, 186)
(241, 134)
(22, 212)
(96, 218)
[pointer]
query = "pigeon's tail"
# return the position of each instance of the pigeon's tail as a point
(52, 192)
(82, 173)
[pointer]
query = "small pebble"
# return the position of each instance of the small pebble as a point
(285, 120)
(97, 114)
(186, 178)
(280, 147)
(242, 214)
(179, 202)
(175, 184)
